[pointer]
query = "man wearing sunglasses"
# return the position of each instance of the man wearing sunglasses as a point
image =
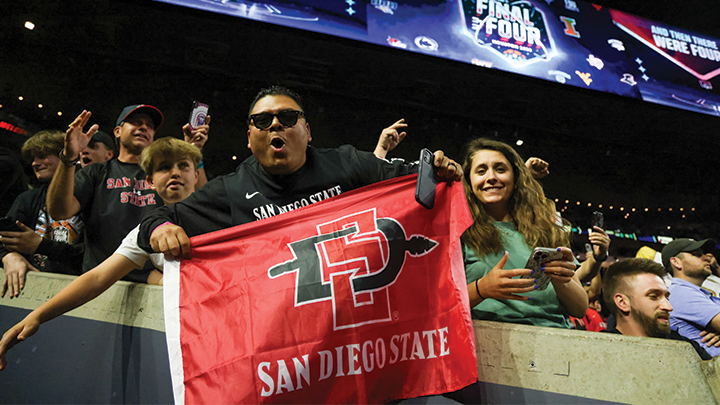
(285, 173)
(695, 310)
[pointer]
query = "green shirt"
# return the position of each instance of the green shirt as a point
(544, 308)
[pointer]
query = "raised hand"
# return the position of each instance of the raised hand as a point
(390, 137)
(199, 135)
(538, 167)
(447, 169)
(75, 139)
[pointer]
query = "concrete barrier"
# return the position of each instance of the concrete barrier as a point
(113, 350)
(591, 365)
(109, 351)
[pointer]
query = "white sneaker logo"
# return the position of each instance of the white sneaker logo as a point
(249, 196)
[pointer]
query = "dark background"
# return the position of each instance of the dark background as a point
(603, 149)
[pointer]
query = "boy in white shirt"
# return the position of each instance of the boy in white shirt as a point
(172, 170)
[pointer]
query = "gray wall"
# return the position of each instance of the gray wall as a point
(113, 350)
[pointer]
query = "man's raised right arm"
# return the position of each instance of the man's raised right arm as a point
(61, 201)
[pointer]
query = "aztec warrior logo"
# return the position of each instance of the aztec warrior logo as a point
(515, 30)
(352, 262)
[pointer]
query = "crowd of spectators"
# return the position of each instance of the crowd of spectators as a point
(112, 206)
(646, 225)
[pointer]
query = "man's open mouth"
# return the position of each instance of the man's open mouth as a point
(277, 143)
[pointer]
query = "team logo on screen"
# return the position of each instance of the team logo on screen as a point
(426, 43)
(386, 6)
(596, 62)
(396, 42)
(352, 262)
(515, 30)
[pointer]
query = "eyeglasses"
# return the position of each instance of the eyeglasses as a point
(287, 118)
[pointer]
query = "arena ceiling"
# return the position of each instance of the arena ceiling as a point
(103, 55)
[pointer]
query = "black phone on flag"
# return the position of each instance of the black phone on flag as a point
(425, 187)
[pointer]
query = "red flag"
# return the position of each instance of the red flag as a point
(361, 298)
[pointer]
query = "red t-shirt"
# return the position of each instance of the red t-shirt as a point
(592, 321)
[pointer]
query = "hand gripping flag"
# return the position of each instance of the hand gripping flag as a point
(361, 298)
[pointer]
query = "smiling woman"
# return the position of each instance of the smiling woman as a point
(512, 217)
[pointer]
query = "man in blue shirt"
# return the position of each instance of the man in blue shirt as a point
(695, 309)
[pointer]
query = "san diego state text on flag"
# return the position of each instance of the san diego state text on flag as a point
(358, 299)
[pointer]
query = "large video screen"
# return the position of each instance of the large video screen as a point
(571, 42)
(677, 68)
(551, 42)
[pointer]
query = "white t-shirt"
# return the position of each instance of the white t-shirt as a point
(132, 251)
(712, 284)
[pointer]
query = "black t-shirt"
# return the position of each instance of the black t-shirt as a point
(60, 250)
(250, 194)
(114, 196)
(674, 336)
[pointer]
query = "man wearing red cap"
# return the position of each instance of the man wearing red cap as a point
(112, 196)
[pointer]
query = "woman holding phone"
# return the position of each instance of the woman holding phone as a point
(512, 217)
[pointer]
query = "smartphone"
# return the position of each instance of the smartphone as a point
(425, 187)
(598, 219)
(8, 224)
(540, 256)
(197, 114)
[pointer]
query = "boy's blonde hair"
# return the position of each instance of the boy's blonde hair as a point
(168, 147)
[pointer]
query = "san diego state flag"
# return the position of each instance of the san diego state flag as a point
(358, 299)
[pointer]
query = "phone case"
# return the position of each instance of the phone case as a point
(425, 187)
(197, 114)
(539, 257)
(598, 219)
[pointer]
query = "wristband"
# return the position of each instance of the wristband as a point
(478, 290)
(68, 163)
(201, 165)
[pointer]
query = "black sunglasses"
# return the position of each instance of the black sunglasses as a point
(287, 118)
